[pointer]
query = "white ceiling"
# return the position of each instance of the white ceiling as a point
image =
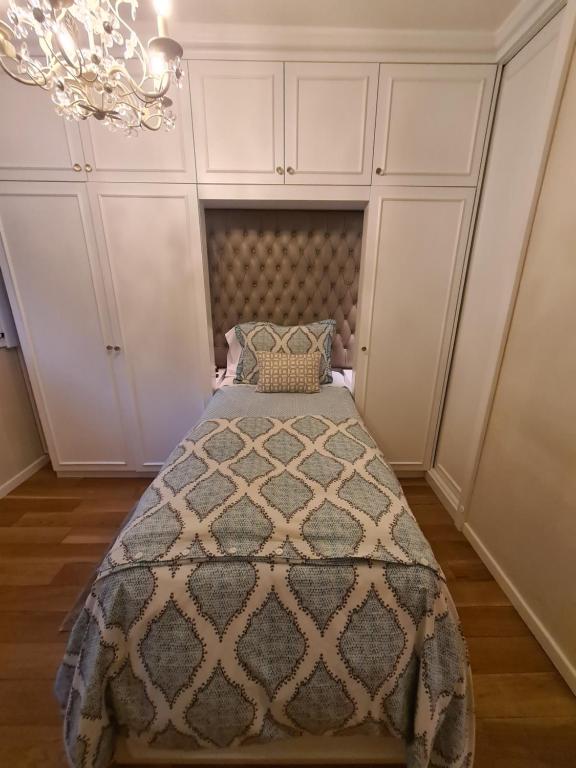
(429, 15)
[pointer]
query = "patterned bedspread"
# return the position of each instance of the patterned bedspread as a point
(272, 582)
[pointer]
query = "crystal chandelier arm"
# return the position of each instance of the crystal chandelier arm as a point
(78, 61)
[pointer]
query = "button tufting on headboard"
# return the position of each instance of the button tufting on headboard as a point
(289, 267)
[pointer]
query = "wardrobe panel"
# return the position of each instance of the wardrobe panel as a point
(149, 240)
(330, 113)
(431, 123)
(52, 274)
(418, 240)
(238, 114)
(54, 153)
(511, 172)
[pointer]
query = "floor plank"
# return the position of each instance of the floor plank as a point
(543, 742)
(491, 621)
(523, 695)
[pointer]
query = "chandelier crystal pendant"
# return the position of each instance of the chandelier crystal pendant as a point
(88, 56)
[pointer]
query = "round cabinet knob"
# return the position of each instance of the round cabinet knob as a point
(291, 170)
(77, 167)
(88, 167)
(280, 170)
(379, 172)
(109, 347)
(116, 349)
(363, 349)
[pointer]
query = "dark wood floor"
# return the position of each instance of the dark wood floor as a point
(53, 533)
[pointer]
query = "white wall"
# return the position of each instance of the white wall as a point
(20, 446)
(522, 514)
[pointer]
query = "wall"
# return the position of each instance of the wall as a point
(523, 506)
(21, 450)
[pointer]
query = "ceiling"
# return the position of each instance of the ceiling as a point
(427, 15)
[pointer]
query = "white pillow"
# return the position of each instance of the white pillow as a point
(234, 352)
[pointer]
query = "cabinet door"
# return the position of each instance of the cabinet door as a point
(431, 123)
(56, 289)
(150, 245)
(150, 156)
(35, 143)
(414, 259)
(330, 113)
(238, 114)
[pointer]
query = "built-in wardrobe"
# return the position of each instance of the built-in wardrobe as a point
(102, 241)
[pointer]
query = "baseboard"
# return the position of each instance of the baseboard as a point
(550, 646)
(23, 475)
(445, 489)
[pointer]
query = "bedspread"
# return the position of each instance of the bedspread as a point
(272, 582)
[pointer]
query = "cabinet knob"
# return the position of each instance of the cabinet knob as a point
(291, 170)
(379, 172)
(88, 167)
(280, 170)
(363, 349)
(109, 347)
(77, 167)
(116, 349)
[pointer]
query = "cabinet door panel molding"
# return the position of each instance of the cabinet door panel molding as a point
(431, 123)
(238, 112)
(60, 309)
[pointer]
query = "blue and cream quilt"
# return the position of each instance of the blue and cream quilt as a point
(272, 582)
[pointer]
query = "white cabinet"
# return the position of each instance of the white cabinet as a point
(164, 156)
(35, 143)
(414, 255)
(431, 123)
(267, 123)
(150, 242)
(238, 112)
(111, 321)
(511, 174)
(52, 272)
(330, 110)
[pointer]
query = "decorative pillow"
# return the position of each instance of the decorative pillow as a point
(292, 339)
(279, 372)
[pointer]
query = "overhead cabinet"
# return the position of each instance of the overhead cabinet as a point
(64, 150)
(270, 123)
(431, 123)
(238, 114)
(108, 316)
(35, 143)
(329, 122)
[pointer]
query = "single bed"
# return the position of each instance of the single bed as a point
(271, 587)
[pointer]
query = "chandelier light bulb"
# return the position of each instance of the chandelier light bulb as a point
(162, 7)
(86, 53)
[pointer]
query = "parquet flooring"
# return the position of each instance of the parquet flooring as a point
(53, 532)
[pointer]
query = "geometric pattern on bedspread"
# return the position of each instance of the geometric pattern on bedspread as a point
(272, 582)
(300, 489)
(290, 650)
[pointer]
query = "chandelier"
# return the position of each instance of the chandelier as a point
(87, 55)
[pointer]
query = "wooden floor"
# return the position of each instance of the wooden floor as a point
(53, 533)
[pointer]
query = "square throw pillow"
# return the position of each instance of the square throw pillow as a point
(290, 339)
(279, 372)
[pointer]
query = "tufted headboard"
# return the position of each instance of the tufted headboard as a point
(290, 267)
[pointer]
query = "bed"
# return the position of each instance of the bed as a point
(271, 587)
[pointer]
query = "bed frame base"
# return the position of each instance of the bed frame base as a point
(307, 750)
